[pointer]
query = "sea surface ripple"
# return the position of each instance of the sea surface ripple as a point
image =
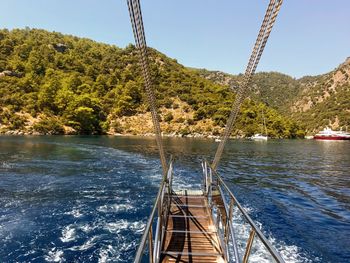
(87, 198)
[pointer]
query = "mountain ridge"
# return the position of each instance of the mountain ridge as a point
(53, 83)
(315, 101)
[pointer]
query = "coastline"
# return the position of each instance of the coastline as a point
(165, 135)
(171, 135)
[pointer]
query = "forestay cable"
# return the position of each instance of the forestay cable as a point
(140, 40)
(260, 43)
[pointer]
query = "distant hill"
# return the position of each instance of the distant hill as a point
(324, 100)
(272, 88)
(313, 101)
(52, 83)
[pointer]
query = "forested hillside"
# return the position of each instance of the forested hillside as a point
(324, 100)
(52, 83)
(274, 89)
(313, 101)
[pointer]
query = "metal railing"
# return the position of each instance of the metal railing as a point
(216, 189)
(160, 208)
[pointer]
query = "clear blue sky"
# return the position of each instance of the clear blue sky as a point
(310, 37)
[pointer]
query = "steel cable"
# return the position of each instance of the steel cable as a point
(264, 33)
(140, 41)
(260, 43)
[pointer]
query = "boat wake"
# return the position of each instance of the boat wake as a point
(259, 254)
(90, 203)
(54, 255)
(68, 234)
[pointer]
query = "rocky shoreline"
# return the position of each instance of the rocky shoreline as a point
(171, 135)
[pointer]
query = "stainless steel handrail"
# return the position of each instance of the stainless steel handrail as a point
(154, 245)
(229, 227)
(254, 229)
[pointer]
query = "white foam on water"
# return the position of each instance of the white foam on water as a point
(12, 203)
(6, 165)
(88, 244)
(183, 185)
(108, 254)
(103, 256)
(179, 183)
(75, 213)
(87, 228)
(115, 208)
(118, 226)
(29, 252)
(137, 227)
(93, 191)
(68, 234)
(128, 245)
(291, 253)
(124, 191)
(259, 254)
(54, 256)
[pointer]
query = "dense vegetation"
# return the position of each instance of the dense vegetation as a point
(313, 101)
(328, 97)
(272, 88)
(53, 83)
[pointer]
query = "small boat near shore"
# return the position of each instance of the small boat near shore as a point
(329, 134)
(259, 137)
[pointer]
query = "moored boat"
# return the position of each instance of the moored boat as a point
(329, 134)
(259, 137)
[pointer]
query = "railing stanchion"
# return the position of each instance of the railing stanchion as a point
(228, 229)
(249, 246)
(229, 218)
(210, 188)
(159, 207)
(206, 179)
(150, 242)
(231, 231)
(218, 218)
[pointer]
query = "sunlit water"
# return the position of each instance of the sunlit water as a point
(86, 199)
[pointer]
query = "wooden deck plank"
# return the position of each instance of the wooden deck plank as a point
(191, 234)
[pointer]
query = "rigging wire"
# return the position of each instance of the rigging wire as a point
(140, 41)
(264, 33)
(260, 43)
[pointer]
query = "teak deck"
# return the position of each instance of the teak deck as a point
(191, 234)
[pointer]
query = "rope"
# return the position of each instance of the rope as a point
(140, 40)
(260, 43)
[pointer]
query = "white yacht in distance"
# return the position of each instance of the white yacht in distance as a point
(329, 134)
(258, 136)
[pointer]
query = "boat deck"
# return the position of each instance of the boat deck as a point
(191, 235)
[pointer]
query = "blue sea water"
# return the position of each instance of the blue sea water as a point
(87, 199)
